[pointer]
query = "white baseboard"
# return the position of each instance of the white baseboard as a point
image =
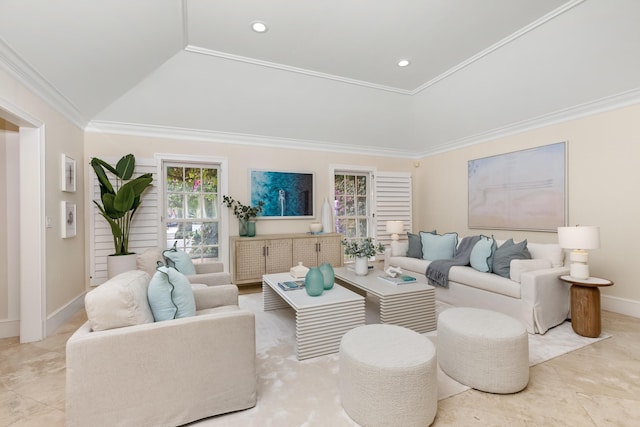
(9, 328)
(620, 305)
(63, 315)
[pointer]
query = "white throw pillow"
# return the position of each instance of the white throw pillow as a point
(120, 301)
(519, 266)
(551, 251)
(147, 261)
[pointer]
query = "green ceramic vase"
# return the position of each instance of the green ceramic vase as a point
(327, 275)
(314, 282)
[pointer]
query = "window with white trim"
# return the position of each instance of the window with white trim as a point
(192, 209)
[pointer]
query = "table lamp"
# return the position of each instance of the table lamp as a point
(394, 227)
(579, 238)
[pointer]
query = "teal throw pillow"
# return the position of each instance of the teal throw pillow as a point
(415, 245)
(482, 254)
(180, 260)
(436, 246)
(505, 253)
(170, 295)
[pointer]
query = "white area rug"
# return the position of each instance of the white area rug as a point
(305, 393)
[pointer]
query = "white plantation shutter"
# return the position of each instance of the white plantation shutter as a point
(144, 227)
(392, 203)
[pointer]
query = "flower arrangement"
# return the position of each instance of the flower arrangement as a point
(362, 248)
(242, 212)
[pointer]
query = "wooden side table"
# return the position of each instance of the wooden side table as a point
(585, 305)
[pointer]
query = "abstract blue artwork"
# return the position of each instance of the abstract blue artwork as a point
(284, 194)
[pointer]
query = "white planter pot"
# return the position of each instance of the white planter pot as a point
(117, 264)
(362, 266)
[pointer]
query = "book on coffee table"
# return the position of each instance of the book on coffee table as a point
(398, 280)
(291, 285)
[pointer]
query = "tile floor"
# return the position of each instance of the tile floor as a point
(598, 385)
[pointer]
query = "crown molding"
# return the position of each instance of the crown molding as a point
(521, 32)
(19, 69)
(204, 51)
(157, 131)
(602, 105)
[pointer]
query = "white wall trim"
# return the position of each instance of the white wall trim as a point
(19, 69)
(289, 68)
(64, 314)
(9, 328)
(619, 305)
(521, 32)
(155, 131)
(601, 105)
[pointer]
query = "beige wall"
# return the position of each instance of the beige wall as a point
(603, 172)
(65, 277)
(241, 158)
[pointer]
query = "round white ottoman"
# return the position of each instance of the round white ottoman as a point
(483, 349)
(388, 376)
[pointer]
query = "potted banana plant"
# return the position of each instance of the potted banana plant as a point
(118, 203)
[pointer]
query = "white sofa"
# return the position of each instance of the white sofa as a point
(538, 298)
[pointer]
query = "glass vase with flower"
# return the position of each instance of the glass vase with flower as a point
(244, 213)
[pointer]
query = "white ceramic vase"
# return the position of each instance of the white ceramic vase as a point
(327, 222)
(361, 266)
(117, 264)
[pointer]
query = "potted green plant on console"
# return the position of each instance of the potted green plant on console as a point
(362, 250)
(118, 203)
(244, 213)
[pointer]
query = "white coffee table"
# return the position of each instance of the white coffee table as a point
(320, 321)
(410, 305)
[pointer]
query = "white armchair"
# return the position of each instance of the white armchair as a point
(208, 273)
(165, 373)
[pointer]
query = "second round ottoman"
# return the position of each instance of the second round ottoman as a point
(388, 376)
(483, 349)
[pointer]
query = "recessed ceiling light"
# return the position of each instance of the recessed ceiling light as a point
(259, 27)
(403, 63)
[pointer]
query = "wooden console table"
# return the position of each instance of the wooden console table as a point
(252, 257)
(585, 305)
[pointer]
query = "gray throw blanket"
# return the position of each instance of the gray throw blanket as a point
(438, 270)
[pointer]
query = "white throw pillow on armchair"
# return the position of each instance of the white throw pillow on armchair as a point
(120, 301)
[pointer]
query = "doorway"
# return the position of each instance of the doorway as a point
(28, 220)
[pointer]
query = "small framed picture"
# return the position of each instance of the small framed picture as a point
(68, 223)
(68, 174)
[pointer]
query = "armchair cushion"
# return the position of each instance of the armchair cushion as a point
(170, 295)
(118, 302)
(180, 260)
(216, 296)
(147, 260)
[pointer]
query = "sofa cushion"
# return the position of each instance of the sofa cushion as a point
(180, 260)
(170, 295)
(482, 253)
(148, 259)
(519, 266)
(486, 281)
(437, 246)
(507, 252)
(550, 251)
(412, 264)
(415, 246)
(120, 301)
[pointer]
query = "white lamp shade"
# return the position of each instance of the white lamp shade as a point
(579, 237)
(395, 227)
